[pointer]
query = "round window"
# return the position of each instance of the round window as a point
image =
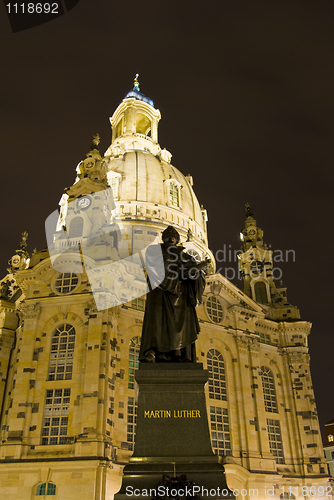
(195, 255)
(66, 283)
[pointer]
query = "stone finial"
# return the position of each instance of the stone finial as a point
(24, 244)
(5, 289)
(21, 259)
(96, 142)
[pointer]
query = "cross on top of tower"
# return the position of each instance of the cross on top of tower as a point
(136, 83)
(248, 208)
(135, 92)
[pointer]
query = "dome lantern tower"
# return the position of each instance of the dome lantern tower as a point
(135, 123)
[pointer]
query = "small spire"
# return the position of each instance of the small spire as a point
(24, 244)
(96, 142)
(136, 83)
(249, 212)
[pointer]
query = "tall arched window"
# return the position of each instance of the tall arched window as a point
(174, 196)
(143, 124)
(62, 350)
(214, 309)
(260, 290)
(269, 393)
(46, 489)
(217, 382)
(76, 227)
(133, 360)
(132, 406)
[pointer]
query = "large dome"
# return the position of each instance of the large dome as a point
(148, 189)
(146, 181)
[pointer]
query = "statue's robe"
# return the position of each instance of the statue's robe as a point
(170, 321)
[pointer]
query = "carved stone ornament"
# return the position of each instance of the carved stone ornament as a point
(29, 311)
(165, 155)
(254, 346)
(297, 357)
(117, 150)
(5, 290)
(6, 340)
(91, 308)
(242, 344)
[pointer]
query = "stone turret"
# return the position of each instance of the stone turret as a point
(256, 268)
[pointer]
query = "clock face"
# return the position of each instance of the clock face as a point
(15, 260)
(251, 232)
(84, 202)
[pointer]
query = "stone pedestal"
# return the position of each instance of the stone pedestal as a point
(172, 434)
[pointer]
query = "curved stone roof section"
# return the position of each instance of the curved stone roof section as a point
(145, 178)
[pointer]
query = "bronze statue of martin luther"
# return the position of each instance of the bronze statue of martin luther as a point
(170, 323)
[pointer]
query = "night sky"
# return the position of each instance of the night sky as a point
(246, 94)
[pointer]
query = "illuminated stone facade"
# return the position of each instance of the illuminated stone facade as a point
(67, 369)
(329, 446)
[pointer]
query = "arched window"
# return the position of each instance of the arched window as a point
(217, 382)
(132, 406)
(260, 290)
(269, 393)
(214, 309)
(133, 360)
(174, 197)
(119, 127)
(114, 186)
(143, 124)
(195, 255)
(76, 227)
(46, 489)
(62, 350)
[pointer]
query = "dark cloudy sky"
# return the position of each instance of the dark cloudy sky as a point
(246, 93)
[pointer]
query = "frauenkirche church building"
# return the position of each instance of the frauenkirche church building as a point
(67, 386)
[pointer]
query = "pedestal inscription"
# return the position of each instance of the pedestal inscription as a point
(172, 434)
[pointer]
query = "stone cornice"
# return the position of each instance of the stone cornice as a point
(234, 292)
(295, 327)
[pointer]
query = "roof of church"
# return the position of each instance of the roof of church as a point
(152, 176)
(140, 96)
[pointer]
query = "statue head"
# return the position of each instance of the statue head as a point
(169, 235)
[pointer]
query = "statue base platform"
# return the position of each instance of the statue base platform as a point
(172, 435)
